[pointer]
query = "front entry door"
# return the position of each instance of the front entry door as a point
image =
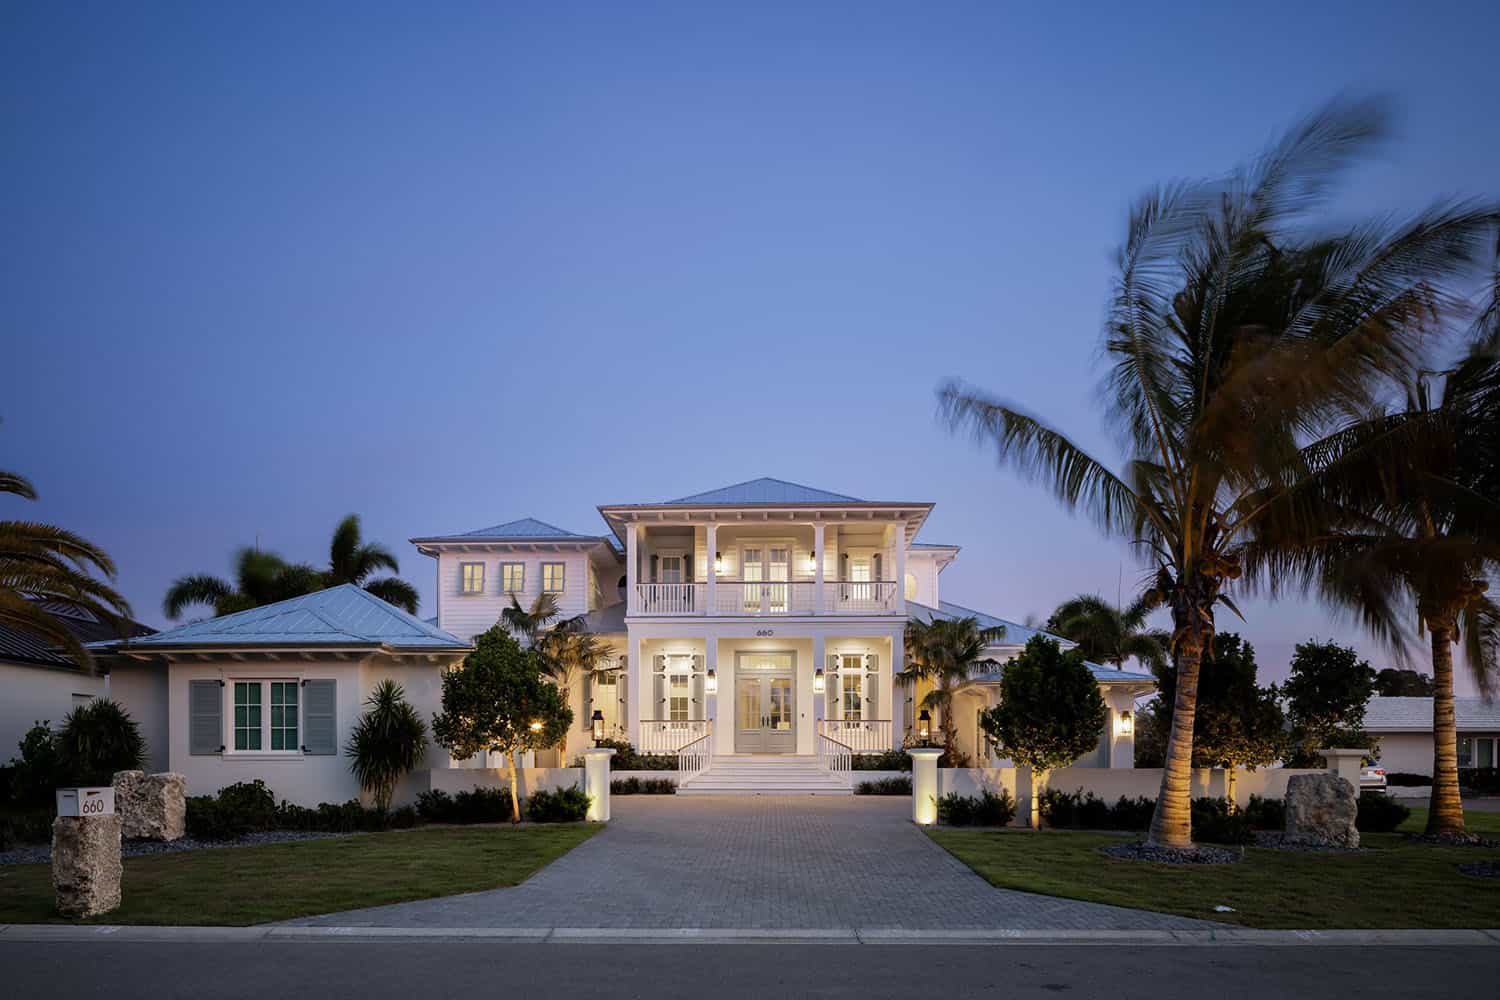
(765, 714)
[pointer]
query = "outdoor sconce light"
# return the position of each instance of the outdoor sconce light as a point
(819, 685)
(536, 725)
(711, 682)
(812, 561)
(1126, 725)
(718, 563)
(924, 727)
(596, 723)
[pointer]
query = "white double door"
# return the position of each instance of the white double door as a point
(765, 703)
(767, 570)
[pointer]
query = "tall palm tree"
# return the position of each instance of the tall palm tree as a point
(353, 560)
(945, 652)
(1417, 526)
(41, 564)
(1107, 634)
(1233, 335)
(568, 650)
(529, 622)
(260, 578)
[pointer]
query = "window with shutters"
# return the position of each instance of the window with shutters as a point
(679, 697)
(606, 698)
(512, 578)
(267, 716)
(553, 577)
(472, 574)
(851, 687)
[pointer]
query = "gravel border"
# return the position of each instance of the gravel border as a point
(1272, 840)
(1481, 869)
(1200, 855)
(1451, 840)
(39, 854)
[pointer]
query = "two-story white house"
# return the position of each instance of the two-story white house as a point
(761, 624)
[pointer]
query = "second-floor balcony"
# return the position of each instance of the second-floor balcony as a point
(756, 598)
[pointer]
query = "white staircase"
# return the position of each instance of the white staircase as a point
(771, 774)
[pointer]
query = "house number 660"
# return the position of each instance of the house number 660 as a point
(764, 632)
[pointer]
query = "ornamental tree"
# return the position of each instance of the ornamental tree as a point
(498, 701)
(1326, 696)
(1239, 723)
(388, 741)
(1050, 711)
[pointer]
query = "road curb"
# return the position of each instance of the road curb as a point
(43, 933)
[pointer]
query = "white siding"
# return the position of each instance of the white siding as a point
(467, 615)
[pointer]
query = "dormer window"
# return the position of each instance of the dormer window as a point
(471, 575)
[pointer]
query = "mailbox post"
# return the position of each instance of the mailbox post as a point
(86, 864)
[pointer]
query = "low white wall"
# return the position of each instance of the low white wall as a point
(1409, 752)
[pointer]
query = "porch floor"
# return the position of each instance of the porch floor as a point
(757, 862)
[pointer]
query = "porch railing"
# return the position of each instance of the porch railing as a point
(757, 598)
(666, 736)
(859, 735)
(693, 757)
(833, 756)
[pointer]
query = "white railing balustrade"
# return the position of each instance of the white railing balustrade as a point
(665, 736)
(694, 757)
(862, 597)
(670, 598)
(859, 735)
(833, 756)
(758, 598)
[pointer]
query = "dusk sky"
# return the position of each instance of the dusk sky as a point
(450, 265)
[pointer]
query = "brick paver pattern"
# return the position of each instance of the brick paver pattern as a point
(747, 862)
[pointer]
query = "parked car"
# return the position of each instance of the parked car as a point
(1372, 779)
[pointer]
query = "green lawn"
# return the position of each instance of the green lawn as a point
(1395, 884)
(251, 885)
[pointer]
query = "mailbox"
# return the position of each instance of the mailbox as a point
(86, 801)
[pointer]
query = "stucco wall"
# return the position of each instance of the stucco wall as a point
(29, 695)
(1409, 752)
(141, 688)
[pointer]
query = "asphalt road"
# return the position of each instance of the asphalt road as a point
(408, 970)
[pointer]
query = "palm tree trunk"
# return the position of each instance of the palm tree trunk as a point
(515, 799)
(1036, 797)
(1229, 785)
(1171, 823)
(1445, 810)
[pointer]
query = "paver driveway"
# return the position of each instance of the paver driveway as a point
(756, 862)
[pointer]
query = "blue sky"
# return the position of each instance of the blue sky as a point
(450, 266)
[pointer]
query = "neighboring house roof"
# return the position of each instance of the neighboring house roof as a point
(17, 646)
(1017, 635)
(1414, 715)
(763, 490)
(340, 616)
(933, 545)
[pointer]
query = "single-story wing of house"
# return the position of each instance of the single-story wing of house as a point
(1404, 726)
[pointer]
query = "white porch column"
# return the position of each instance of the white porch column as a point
(635, 680)
(900, 539)
(710, 600)
(820, 698)
(818, 572)
(898, 694)
(632, 562)
(711, 666)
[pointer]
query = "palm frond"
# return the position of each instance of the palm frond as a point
(195, 588)
(17, 485)
(1479, 631)
(394, 590)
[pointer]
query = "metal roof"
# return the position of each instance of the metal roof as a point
(1414, 715)
(528, 528)
(344, 615)
(17, 646)
(764, 490)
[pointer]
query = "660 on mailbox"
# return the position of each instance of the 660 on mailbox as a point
(86, 801)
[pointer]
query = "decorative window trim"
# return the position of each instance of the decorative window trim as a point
(266, 685)
(505, 569)
(562, 574)
(466, 587)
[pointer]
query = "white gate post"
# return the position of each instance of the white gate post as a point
(924, 784)
(596, 782)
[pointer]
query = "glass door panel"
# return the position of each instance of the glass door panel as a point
(778, 571)
(753, 573)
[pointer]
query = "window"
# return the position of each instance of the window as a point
(911, 587)
(607, 700)
(552, 577)
(284, 715)
(851, 688)
(247, 715)
(512, 578)
(671, 569)
(1466, 751)
(472, 575)
(678, 698)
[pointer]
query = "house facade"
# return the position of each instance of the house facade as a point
(1404, 726)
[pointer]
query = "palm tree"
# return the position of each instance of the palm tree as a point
(945, 652)
(1418, 526)
(41, 564)
(352, 560)
(388, 741)
(260, 578)
(568, 650)
(527, 623)
(1107, 634)
(1234, 334)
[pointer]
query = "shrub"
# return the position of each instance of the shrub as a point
(643, 786)
(1406, 779)
(1082, 810)
(388, 741)
(1265, 814)
(1477, 779)
(478, 805)
(25, 826)
(886, 760)
(884, 786)
(565, 805)
(38, 770)
(988, 809)
(626, 759)
(1379, 813)
(1213, 823)
(96, 740)
(1131, 814)
(7, 783)
(238, 809)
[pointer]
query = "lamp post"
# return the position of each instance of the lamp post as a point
(924, 727)
(596, 724)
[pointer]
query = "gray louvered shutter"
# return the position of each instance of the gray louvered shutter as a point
(872, 686)
(588, 701)
(319, 732)
(655, 560)
(622, 694)
(876, 573)
(700, 708)
(832, 707)
(659, 686)
(205, 717)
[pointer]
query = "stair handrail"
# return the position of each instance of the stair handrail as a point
(834, 756)
(694, 757)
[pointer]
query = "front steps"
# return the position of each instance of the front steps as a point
(768, 774)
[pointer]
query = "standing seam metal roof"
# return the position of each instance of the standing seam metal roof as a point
(763, 490)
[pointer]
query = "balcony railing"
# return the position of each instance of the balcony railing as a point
(665, 736)
(859, 735)
(766, 598)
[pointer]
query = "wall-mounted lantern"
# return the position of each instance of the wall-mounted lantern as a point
(819, 684)
(924, 727)
(1125, 724)
(711, 682)
(596, 723)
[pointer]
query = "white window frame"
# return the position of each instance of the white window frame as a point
(846, 671)
(607, 681)
(677, 665)
(265, 684)
(463, 579)
(505, 569)
(562, 572)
